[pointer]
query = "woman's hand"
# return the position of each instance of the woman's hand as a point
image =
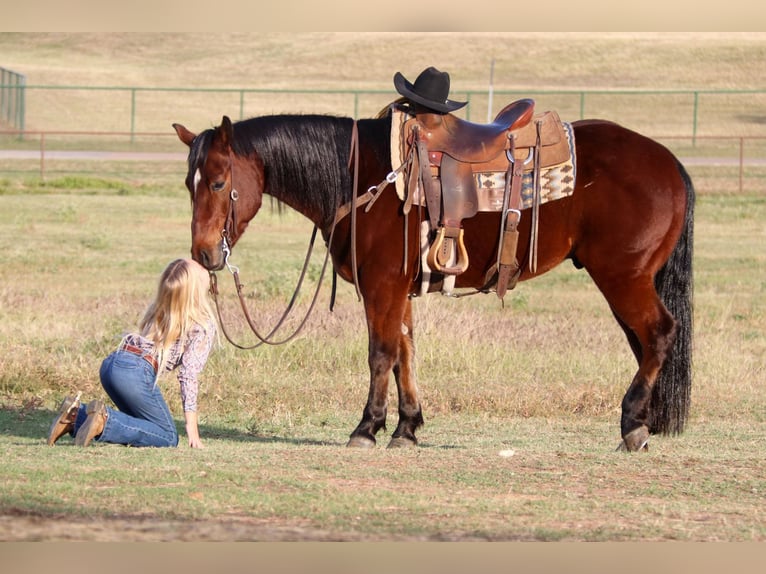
(192, 429)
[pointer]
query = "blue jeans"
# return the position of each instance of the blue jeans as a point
(144, 418)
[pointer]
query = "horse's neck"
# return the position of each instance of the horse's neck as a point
(312, 179)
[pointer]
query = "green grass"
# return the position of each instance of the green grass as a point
(456, 486)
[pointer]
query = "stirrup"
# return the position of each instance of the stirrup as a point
(439, 261)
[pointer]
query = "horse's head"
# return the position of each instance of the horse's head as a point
(226, 191)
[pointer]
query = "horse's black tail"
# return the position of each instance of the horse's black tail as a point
(674, 283)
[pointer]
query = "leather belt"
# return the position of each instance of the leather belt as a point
(137, 351)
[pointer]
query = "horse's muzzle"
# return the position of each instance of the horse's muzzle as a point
(212, 260)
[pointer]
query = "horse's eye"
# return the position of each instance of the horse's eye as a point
(218, 185)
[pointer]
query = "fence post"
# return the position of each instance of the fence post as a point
(132, 114)
(42, 156)
(694, 119)
(21, 101)
(468, 106)
(4, 85)
(741, 162)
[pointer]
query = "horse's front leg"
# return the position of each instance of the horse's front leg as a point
(386, 310)
(410, 412)
(381, 356)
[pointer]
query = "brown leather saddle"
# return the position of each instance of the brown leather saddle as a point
(446, 155)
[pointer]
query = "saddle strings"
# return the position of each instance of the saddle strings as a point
(354, 154)
(536, 201)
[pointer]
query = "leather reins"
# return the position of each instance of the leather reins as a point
(227, 232)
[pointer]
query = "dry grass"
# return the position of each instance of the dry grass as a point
(310, 60)
(554, 351)
(368, 61)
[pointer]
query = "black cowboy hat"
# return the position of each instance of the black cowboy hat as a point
(430, 89)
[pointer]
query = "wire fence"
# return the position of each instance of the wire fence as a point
(125, 132)
(146, 109)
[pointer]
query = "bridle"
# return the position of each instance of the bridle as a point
(226, 236)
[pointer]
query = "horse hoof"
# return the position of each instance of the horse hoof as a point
(360, 442)
(401, 442)
(636, 440)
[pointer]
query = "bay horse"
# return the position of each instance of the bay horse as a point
(628, 223)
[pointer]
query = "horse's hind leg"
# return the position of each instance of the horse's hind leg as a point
(651, 331)
(635, 344)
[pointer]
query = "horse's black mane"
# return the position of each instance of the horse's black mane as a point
(305, 157)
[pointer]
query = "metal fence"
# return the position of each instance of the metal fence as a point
(721, 134)
(149, 109)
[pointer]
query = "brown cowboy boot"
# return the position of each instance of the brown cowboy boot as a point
(93, 425)
(65, 419)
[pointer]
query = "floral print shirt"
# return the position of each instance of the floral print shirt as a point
(188, 356)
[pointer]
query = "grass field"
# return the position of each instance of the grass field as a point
(519, 436)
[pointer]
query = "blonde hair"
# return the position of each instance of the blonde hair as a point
(181, 302)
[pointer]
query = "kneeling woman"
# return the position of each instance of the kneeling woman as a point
(177, 332)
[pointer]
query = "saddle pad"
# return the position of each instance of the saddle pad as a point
(556, 182)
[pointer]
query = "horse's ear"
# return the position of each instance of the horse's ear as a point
(227, 131)
(184, 135)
